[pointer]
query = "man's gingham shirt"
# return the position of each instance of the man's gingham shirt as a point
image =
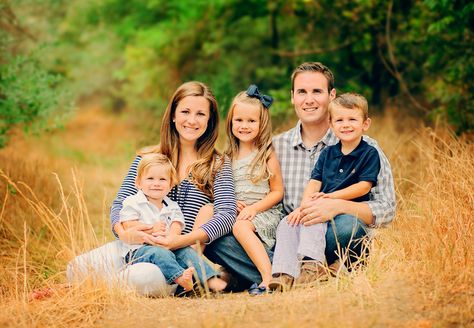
(297, 162)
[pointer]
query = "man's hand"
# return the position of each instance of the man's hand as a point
(320, 210)
(294, 217)
(247, 213)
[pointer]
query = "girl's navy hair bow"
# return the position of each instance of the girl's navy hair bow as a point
(266, 100)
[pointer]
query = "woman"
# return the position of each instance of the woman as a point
(188, 135)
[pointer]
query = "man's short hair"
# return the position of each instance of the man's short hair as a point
(351, 101)
(315, 67)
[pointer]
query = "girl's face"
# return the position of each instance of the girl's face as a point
(191, 118)
(246, 122)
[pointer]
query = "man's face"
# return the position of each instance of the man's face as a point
(311, 98)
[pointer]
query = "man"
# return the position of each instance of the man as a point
(298, 150)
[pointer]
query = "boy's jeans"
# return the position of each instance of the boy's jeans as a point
(342, 233)
(172, 263)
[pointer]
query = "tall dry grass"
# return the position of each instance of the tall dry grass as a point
(419, 273)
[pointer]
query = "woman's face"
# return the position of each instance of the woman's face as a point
(191, 118)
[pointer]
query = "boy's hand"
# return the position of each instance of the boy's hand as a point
(318, 195)
(247, 213)
(294, 217)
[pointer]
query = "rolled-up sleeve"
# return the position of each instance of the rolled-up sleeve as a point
(126, 189)
(225, 207)
(382, 201)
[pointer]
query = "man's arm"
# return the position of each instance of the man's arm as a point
(324, 209)
(312, 187)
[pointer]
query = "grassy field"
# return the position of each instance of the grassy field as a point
(56, 189)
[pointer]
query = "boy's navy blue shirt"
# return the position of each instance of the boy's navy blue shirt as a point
(337, 171)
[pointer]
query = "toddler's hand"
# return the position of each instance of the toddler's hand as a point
(247, 213)
(159, 228)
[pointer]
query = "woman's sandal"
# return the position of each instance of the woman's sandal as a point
(256, 290)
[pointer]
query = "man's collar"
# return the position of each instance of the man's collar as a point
(296, 138)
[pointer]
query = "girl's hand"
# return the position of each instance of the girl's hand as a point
(240, 206)
(294, 217)
(247, 213)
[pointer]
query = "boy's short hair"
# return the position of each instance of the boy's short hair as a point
(351, 101)
(315, 67)
(150, 159)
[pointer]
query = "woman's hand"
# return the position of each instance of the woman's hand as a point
(247, 213)
(171, 241)
(240, 206)
(134, 234)
(159, 228)
(294, 217)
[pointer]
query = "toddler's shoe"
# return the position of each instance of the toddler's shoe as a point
(281, 282)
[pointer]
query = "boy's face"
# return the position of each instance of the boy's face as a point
(348, 124)
(311, 97)
(155, 182)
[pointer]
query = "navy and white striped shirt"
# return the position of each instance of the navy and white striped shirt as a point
(190, 199)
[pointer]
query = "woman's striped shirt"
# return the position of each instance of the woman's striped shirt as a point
(191, 199)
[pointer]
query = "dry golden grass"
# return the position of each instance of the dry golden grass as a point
(419, 274)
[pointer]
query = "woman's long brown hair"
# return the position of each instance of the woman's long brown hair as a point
(204, 169)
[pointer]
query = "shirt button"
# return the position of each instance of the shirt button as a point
(341, 170)
(312, 156)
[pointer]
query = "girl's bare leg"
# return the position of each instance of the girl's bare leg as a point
(204, 215)
(244, 232)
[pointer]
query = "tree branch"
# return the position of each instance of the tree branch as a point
(393, 70)
(9, 22)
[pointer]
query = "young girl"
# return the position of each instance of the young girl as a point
(257, 177)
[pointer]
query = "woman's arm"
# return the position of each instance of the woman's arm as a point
(272, 198)
(126, 189)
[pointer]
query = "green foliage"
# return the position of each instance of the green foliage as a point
(137, 52)
(28, 94)
(32, 95)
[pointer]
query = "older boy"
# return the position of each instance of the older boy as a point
(347, 170)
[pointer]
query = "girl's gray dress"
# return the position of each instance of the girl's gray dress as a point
(266, 222)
